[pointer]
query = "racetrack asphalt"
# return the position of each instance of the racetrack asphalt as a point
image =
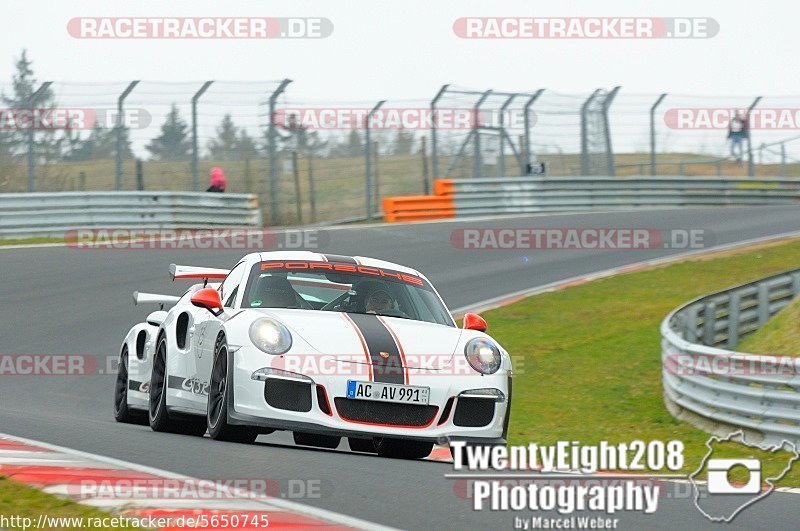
(71, 301)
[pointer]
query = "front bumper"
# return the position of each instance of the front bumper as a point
(248, 405)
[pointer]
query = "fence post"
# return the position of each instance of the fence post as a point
(585, 134)
(312, 198)
(120, 129)
(139, 175)
(502, 159)
(653, 133)
(426, 185)
(368, 159)
(273, 163)
(31, 140)
(195, 149)
(783, 159)
(376, 175)
(527, 124)
(751, 169)
(297, 194)
(477, 162)
(607, 101)
(434, 145)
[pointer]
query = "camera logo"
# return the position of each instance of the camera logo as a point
(718, 482)
(735, 473)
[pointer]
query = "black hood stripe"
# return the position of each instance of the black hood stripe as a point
(385, 369)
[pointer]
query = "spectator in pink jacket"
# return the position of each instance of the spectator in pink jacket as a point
(218, 180)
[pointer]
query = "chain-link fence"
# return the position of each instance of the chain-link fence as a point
(323, 161)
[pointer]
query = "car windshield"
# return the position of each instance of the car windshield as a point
(348, 288)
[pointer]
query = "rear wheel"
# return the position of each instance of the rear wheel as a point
(217, 416)
(122, 413)
(403, 448)
(312, 439)
(158, 416)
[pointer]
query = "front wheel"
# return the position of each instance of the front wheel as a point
(217, 413)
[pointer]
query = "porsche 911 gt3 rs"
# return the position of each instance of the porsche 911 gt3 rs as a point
(324, 346)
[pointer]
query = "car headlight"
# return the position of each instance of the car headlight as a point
(483, 355)
(270, 336)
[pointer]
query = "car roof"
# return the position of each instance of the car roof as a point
(327, 257)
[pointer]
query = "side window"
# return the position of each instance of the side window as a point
(230, 287)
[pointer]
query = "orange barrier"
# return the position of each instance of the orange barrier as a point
(443, 187)
(418, 208)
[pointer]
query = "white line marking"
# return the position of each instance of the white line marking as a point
(286, 505)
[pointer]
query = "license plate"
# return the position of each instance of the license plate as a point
(383, 392)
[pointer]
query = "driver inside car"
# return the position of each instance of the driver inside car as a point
(378, 301)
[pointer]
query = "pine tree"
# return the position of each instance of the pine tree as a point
(224, 146)
(174, 142)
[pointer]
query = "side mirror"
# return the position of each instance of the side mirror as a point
(473, 321)
(156, 318)
(208, 298)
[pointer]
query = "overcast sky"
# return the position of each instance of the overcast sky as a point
(407, 49)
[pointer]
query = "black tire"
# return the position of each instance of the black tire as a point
(122, 413)
(362, 445)
(157, 414)
(403, 448)
(217, 411)
(312, 439)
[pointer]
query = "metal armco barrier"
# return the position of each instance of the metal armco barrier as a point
(523, 195)
(719, 390)
(27, 215)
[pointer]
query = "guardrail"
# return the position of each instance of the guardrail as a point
(27, 215)
(524, 195)
(717, 389)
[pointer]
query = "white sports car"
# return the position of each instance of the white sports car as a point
(321, 345)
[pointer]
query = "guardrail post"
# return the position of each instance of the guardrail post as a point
(527, 133)
(653, 133)
(763, 304)
(368, 159)
(709, 321)
(585, 134)
(31, 101)
(751, 169)
(195, 148)
(273, 162)
(607, 101)
(734, 304)
(120, 129)
(719, 168)
(796, 284)
(434, 141)
(690, 325)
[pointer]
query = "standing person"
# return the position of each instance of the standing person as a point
(218, 180)
(737, 134)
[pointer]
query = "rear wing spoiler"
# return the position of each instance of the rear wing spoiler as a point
(153, 298)
(205, 274)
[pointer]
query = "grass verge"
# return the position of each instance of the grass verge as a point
(19, 500)
(779, 337)
(588, 362)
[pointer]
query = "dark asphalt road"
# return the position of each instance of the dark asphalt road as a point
(60, 300)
